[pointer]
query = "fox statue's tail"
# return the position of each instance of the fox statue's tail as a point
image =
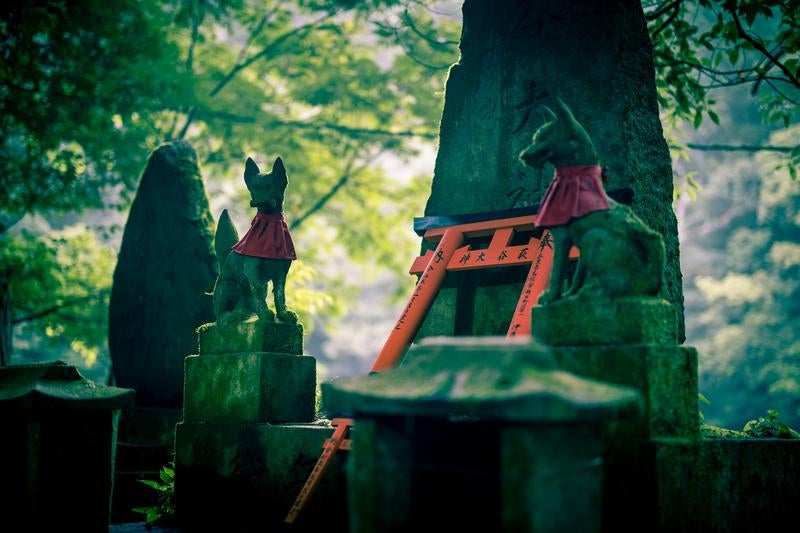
(225, 238)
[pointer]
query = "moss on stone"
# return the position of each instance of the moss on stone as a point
(708, 431)
(252, 335)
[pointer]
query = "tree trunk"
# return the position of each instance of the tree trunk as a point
(597, 57)
(5, 319)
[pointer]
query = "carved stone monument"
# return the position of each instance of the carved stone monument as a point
(515, 55)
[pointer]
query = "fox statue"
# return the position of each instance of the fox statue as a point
(619, 254)
(263, 255)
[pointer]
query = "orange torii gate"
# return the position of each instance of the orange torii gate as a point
(451, 255)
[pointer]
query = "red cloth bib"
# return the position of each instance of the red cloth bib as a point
(574, 192)
(268, 237)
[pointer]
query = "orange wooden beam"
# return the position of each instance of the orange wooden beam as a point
(419, 304)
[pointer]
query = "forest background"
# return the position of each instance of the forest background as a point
(349, 93)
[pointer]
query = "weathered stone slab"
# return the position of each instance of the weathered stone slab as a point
(728, 484)
(578, 322)
(486, 377)
(250, 387)
(665, 375)
(250, 336)
(244, 477)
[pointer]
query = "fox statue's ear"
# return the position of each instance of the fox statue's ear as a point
(564, 112)
(278, 168)
(250, 169)
(279, 172)
(548, 114)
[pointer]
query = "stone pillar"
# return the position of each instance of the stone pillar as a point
(166, 266)
(477, 434)
(516, 55)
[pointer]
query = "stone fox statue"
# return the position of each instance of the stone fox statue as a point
(264, 254)
(619, 254)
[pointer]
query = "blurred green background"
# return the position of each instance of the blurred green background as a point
(350, 93)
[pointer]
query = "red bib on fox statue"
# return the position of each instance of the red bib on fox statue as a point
(574, 192)
(268, 237)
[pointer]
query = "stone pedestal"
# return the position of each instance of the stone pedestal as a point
(250, 336)
(248, 439)
(590, 322)
(477, 434)
(631, 342)
(250, 387)
(145, 443)
(245, 476)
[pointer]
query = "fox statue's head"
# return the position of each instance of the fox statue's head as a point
(561, 141)
(267, 189)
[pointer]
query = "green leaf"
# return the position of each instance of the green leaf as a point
(151, 484)
(698, 119)
(165, 477)
(713, 116)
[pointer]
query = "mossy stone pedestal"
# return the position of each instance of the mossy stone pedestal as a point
(630, 342)
(250, 336)
(477, 434)
(248, 438)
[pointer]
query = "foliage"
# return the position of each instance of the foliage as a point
(770, 427)
(703, 45)
(163, 513)
(748, 328)
(71, 76)
(321, 83)
(61, 279)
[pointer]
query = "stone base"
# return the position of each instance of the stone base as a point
(728, 484)
(245, 477)
(580, 322)
(665, 375)
(250, 387)
(250, 336)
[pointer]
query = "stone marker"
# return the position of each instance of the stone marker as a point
(57, 448)
(477, 434)
(166, 266)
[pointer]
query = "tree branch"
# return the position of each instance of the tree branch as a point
(315, 125)
(445, 44)
(666, 6)
(341, 182)
(741, 148)
(265, 51)
(730, 5)
(55, 308)
(676, 8)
